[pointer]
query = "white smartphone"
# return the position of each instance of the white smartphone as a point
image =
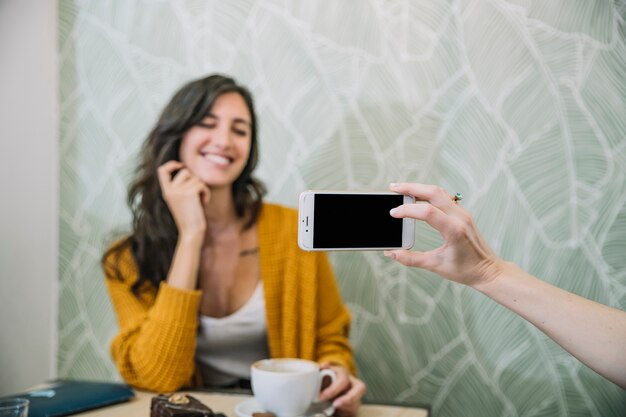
(340, 220)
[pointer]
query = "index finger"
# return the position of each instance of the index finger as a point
(445, 224)
(434, 194)
(165, 171)
(353, 395)
(340, 384)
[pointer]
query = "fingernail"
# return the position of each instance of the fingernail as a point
(390, 255)
(393, 211)
(393, 185)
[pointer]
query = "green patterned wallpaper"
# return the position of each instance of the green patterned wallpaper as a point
(519, 104)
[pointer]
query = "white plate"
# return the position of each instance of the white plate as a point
(247, 407)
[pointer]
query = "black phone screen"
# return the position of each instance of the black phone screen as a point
(356, 221)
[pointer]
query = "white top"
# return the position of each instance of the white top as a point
(227, 346)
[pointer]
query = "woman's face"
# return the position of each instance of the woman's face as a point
(216, 149)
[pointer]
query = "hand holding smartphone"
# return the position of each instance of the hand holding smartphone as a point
(339, 220)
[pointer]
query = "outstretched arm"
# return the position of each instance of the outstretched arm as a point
(592, 332)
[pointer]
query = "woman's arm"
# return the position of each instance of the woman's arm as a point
(186, 197)
(155, 346)
(590, 331)
(156, 351)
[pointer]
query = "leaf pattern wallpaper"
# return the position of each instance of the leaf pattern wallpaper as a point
(518, 104)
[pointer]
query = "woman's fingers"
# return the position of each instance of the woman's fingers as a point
(464, 257)
(341, 383)
(175, 174)
(443, 223)
(181, 176)
(430, 260)
(185, 195)
(434, 194)
(165, 171)
(407, 257)
(205, 195)
(350, 401)
(345, 392)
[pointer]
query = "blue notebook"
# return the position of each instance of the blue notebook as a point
(65, 397)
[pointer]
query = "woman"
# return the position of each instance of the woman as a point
(592, 332)
(210, 279)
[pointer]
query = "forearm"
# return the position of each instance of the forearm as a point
(156, 350)
(333, 344)
(590, 331)
(183, 273)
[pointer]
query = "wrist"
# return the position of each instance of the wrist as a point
(191, 238)
(492, 273)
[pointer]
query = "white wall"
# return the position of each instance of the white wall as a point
(28, 193)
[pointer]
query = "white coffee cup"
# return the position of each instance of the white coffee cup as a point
(287, 387)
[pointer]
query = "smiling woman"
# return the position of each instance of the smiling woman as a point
(204, 284)
(217, 148)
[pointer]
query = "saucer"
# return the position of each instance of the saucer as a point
(247, 407)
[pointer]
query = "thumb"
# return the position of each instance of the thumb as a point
(205, 196)
(407, 257)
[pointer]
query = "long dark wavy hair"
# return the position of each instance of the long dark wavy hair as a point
(154, 233)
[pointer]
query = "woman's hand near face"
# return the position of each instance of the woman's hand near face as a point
(345, 393)
(186, 196)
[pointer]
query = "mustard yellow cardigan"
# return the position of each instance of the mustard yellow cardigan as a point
(306, 318)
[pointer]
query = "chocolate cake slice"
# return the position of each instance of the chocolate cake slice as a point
(178, 405)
